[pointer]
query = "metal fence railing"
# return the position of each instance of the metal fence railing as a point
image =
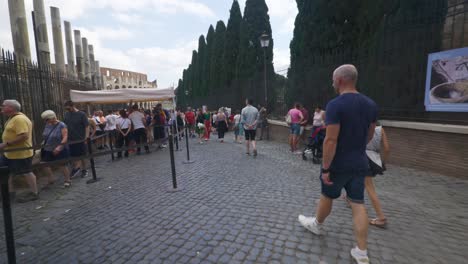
(37, 88)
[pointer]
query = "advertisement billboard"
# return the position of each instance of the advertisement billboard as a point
(447, 81)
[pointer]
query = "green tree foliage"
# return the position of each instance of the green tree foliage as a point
(193, 69)
(229, 64)
(387, 39)
(201, 70)
(217, 63)
(231, 47)
(180, 94)
(250, 63)
(207, 81)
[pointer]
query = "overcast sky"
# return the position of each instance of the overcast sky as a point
(155, 37)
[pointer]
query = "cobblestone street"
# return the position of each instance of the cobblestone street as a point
(234, 208)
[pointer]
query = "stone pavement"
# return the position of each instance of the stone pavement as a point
(234, 209)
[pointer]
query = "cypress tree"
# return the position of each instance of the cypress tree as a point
(207, 80)
(231, 47)
(193, 83)
(250, 63)
(201, 63)
(180, 93)
(332, 32)
(217, 59)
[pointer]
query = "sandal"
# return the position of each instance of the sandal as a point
(67, 184)
(381, 223)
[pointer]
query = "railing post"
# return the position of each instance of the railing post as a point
(91, 161)
(174, 187)
(188, 161)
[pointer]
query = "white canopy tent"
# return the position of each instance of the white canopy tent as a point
(122, 96)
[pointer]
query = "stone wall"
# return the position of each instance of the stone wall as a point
(444, 153)
(428, 147)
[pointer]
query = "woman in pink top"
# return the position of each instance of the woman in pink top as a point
(296, 118)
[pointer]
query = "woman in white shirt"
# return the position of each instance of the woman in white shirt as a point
(124, 127)
(377, 151)
(319, 118)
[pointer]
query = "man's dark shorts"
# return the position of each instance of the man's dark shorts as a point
(78, 149)
(250, 134)
(17, 166)
(352, 182)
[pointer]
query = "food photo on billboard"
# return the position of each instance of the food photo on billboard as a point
(447, 81)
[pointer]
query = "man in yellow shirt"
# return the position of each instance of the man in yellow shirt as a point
(18, 134)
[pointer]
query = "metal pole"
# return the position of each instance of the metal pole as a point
(91, 161)
(7, 219)
(188, 161)
(265, 77)
(174, 127)
(171, 151)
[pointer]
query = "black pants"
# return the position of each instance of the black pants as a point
(222, 129)
(140, 137)
(121, 141)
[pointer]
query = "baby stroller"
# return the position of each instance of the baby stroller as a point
(314, 147)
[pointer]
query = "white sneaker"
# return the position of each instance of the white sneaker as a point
(310, 223)
(359, 257)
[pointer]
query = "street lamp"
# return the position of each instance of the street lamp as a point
(265, 42)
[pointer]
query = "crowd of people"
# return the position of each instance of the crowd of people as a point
(127, 130)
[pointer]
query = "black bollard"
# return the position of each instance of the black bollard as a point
(91, 161)
(188, 161)
(174, 187)
(176, 139)
(7, 218)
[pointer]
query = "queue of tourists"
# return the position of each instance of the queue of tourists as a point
(125, 130)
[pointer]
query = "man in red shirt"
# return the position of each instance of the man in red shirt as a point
(190, 121)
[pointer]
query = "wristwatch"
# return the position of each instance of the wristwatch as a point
(325, 171)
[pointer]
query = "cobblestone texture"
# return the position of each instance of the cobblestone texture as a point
(234, 209)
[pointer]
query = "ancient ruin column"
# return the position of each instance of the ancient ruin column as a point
(70, 54)
(87, 71)
(98, 76)
(92, 64)
(41, 33)
(19, 29)
(79, 55)
(58, 40)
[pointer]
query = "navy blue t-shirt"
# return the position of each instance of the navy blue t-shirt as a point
(354, 113)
